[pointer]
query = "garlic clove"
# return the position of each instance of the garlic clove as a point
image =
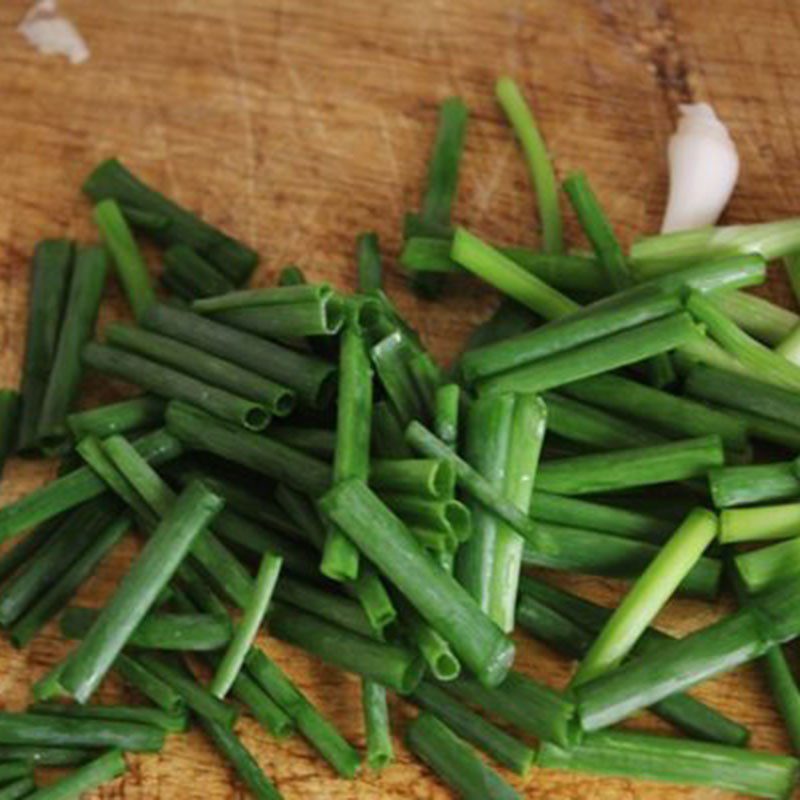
(703, 167)
(51, 33)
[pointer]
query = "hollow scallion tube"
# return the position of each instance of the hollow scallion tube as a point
(769, 566)
(762, 319)
(624, 469)
(311, 378)
(665, 412)
(504, 748)
(111, 179)
(538, 161)
(428, 478)
(130, 266)
(311, 724)
(435, 594)
(760, 523)
(508, 277)
(488, 437)
(663, 758)
(340, 557)
(246, 630)
(736, 486)
(138, 590)
(446, 418)
(380, 752)
(50, 275)
(134, 673)
(392, 666)
(603, 355)
(454, 761)
(184, 358)
(123, 417)
(172, 384)
(391, 356)
(648, 595)
(527, 432)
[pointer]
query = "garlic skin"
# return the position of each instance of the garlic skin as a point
(52, 33)
(703, 167)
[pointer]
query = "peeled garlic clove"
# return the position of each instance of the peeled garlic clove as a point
(703, 167)
(52, 33)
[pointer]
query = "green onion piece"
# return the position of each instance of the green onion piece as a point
(769, 430)
(454, 762)
(311, 378)
(675, 416)
(264, 709)
(764, 320)
(391, 357)
(171, 722)
(312, 725)
(79, 318)
(759, 360)
(314, 441)
(578, 513)
(75, 533)
(446, 516)
(667, 252)
(9, 418)
(446, 416)
(247, 629)
(291, 275)
(16, 556)
(323, 317)
(270, 297)
(340, 557)
(133, 672)
(111, 179)
(387, 433)
(570, 623)
(191, 276)
(390, 665)
(662, 758)
(677, 665)
(508, 277)
(623, 469)
(85, 779)
(243, 762)
(12, 770)
(648, 595)
(60, 590)
(539, 165)
(501, 746)
(158, 630)
(172, 384)
(196, 696)
(380, 752)
(598, 229)
(368, 258)
(130, 266)
(148, 221)
(790, 266)
(736, 486)
(436, 596)
(758, 524)
(44, 756)
(769, 566)
(138, 590)
(526, 436)
(509, 320)
(18, 789)
(603, 355)
(488, 437)
(581, 423)
(124, 417)
(532, 707)
(209, 369)
(200, 431)
(44, 730)
(428, 478)
(50, 275)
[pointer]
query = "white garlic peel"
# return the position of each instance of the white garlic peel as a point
(51, 33)
(703, 167)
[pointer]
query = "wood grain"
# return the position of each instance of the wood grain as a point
(296, 125)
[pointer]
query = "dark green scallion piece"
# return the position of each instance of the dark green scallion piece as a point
(315, 441)
(12, 770)
(133, 672)
(387, 433)
(85, 779)
(45, 756)
(391, 358)
(172, 384)
(138, 590)
(111, 179)
(454, 762)
(191, 276)
(209, 369)
(311, 724)
(436, 596)
(18, 789)
(9, 418)
(446, 418)
(124, 417)
(428, 478)
(311, 378)
(50, 275)
(380, 752)
(171, 722)
(130, 267)
(291, 275)
(368, 258)
(501, 746)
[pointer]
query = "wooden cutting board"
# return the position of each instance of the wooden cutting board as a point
(295, 125)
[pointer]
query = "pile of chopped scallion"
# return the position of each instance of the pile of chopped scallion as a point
(298, 461)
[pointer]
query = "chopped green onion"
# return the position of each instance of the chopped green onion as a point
(380, 752)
